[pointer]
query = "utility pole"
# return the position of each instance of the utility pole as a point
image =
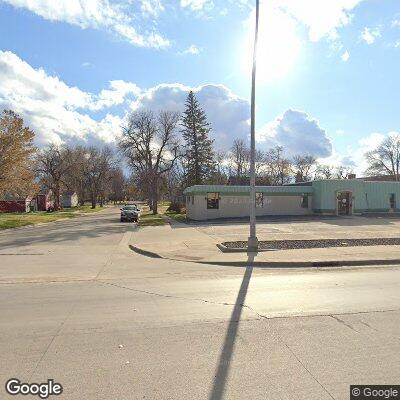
(252, 243)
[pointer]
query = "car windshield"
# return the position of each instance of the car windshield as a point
(130, 208)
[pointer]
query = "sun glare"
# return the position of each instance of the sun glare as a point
(278, 45)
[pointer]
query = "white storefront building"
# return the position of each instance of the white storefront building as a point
(218, 201)
(331, 197)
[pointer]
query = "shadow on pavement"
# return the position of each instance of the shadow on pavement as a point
(224, 362)
(65, 232)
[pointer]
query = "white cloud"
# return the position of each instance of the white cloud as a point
(228, 114)
(278, 45)
(298, 133)
(280, 37)
(365, 144)
(369, 35)
(116, 95)
(354, 156)
(192, 49)
(321, 18)
(151, 7)
(55, 110)
(96, 14)
(396, 23)
(197, 5)
(61, 113)
(345, 56)
(86, 64)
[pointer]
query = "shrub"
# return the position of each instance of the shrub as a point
(175, 207)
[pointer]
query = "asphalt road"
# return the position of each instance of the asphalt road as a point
(77, 305)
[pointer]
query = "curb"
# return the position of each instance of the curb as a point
(225, 249)
(145, 252)
(275, 264)
(301, 264)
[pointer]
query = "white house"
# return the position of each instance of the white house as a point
(69, 199)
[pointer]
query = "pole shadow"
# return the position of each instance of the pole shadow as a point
(224, 361)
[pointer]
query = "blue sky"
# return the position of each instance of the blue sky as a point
(327, 84)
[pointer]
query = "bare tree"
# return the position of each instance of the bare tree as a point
(278, 166)
(76, 179)
(151, 147)
(302, 166)
(343, 172)
(118, 185)
(385, 159)
(97, 170)
(239, 158)
(53, 163)
(325, 172)
(220, 176)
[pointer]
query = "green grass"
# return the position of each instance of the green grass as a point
(15, 220)
(180, 217)
(149, 219)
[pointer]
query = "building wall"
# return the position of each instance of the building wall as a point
(45, 201)
(367, 196)
(69, 200)
(286, 200)
(377, 196)
(238, 205)
(14, 205)
(325, 193)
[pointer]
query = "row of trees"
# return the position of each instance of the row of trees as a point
(165, 152)
(168, 152)
(94, 174)
(274, 168)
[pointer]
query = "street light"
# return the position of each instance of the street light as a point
(252, 243)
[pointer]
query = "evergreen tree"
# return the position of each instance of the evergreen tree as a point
(199, 153)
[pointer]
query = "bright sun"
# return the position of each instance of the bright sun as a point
(278, 45)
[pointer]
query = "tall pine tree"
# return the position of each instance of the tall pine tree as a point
(199, 153)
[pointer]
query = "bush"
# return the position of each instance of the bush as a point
(175, 207)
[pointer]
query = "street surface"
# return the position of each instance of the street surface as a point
(79, 306)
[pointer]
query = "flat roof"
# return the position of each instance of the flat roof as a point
(228, 189)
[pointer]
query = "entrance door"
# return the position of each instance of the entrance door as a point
(344, 203)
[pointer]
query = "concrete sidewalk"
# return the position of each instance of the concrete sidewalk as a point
(182, 242)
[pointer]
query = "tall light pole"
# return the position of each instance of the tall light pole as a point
(252, 243)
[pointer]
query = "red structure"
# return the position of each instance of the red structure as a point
(15, 204)
(44, 200)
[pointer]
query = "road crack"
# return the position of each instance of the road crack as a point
(250, 308)
(343, 322)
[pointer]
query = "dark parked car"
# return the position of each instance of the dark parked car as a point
(130, 213)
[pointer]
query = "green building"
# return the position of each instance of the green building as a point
(332, 197)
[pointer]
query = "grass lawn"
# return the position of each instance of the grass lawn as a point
(147, 218)
(180, 217)
(15, 220)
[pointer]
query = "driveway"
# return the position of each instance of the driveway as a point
(77, 305)
(312, 228)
